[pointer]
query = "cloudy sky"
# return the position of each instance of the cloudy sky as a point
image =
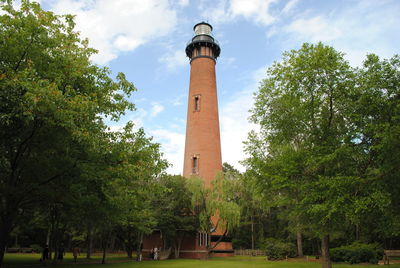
(146, 40)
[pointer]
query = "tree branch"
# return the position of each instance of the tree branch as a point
(21, 150)
(219, 240)
(24, 53)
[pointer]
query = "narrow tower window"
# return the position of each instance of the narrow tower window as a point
(195, 165)
(196, 103)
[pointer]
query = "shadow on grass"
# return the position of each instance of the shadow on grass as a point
(121, 261)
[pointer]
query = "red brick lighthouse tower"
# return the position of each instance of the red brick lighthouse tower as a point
(202, 146)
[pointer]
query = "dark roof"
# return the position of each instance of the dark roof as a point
(203, 22)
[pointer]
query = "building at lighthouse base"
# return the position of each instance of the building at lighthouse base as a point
(194, 245)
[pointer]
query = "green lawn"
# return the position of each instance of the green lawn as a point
(120, 261)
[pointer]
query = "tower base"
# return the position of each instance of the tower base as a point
(223, 248)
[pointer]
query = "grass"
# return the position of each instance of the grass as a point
(31, 259)
(120, 261)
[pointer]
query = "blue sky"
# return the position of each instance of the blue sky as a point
(146, 40)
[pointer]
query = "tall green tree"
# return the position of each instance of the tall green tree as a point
(52, 102)
(306, 105)
(173, 208)
(376, 115)
(135, 184)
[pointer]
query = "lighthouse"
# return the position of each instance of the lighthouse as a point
(203, 145)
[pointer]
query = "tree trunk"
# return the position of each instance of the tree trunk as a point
(5, 230)
(326, 261)
(103, 260)
(129, 251)
(112, 245)
(139, 247)
(252, 232)
(48, 236)
(56, 243)
(177, 246)
(52, 236)
(128, 241)
(217, 242)
(89, 239)
(357, 232)
(104, 245)
(299, 245)
(16, 240)
(69, 241)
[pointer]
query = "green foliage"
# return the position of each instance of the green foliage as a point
(217, 200)
(245, 193)
(174, 203)
(53, 100)
(36, 248)
(58, 160)
(357, 252)
(173, 210)
(278, 249)
(326, 155)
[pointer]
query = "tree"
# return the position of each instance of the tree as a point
(376, 115)
(134, 185)
(215, 206)
(279, 173)
(173, 209)
(244, 193)
(305, 109)
(52, 102)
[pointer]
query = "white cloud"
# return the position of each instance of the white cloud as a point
(119, 25)
(314, 29)
(178, 100)
(173, 144)
(183, 3)
(364, 27)
(137, 117)
(216, 12)
(156, 108)
(15, 4)
(227, 62)
(289, 6)
(257, 11)
(116, 128)
(174, 59)
(234, 121)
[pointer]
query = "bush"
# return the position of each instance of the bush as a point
(36, 248)
(357, 252)
(277, 249)
(239, 243)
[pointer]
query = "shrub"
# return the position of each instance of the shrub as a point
(36, 248)
(239, 243)
(357, 252)
(277, 249)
